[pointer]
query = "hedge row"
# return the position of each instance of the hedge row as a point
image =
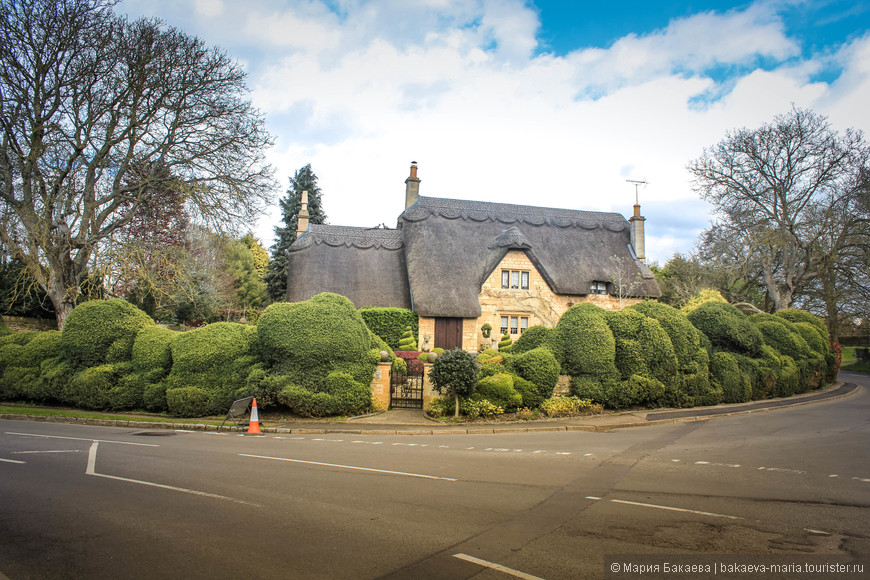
(318, 357)
(390, 323)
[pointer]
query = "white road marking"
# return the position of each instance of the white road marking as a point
(782, 470)
(666, 507)
(12, 461)
(91, 470)
(862, 479)
(52, 451)
(498, 567)
(82, 439)
(674, 509)
(354, 467)
(819, 532)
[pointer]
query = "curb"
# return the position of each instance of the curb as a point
(446, 430)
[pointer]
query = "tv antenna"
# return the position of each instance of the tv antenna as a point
(636, 182)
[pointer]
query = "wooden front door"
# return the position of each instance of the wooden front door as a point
(448, 333)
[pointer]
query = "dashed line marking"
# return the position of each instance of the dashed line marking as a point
(818, 532)
(666, 508)
(51, 451)
(12, 461)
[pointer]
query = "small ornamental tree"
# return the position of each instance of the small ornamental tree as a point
(455, 373)
(505, 343)
(408, 342)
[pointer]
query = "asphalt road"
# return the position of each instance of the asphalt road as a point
(97, 502)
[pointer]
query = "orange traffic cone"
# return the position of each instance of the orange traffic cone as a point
(254, 423)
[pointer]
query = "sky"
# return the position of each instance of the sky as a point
(548, 103)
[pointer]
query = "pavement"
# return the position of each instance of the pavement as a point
(415, 422)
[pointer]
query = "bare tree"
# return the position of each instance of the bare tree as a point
(625, 277)
(86, 99)
(774, 185)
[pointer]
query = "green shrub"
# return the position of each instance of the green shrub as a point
(89, 388)
(569, 407)
(504, 345)
(685, 338)
(350, 397)
(151, 349)
(538, 366)
(789, 380)
(476, 408)
(100, 331)
(701, 298)
(735, 384)
(590, 388)
(795, 316)
(532, 338)
(727, 328)
(583, 343)
(4, 330)
(499, 390)
(408, 340)
(55, 375)
(20, 365)
(390, 323)
(188, 402)
(642, 346)
(154, 397)
(531, 396)
(19, 338)
(308, 340)
(216, 358)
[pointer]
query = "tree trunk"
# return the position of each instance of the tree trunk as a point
(456, 399)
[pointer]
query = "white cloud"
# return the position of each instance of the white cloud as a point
(361, 90)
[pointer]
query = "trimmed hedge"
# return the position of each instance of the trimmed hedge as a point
(583, 343)
(309, 340)
(531, 338)
(101, 331)
(340, 394)
(390, 323)
(642, 346)
(499, 390)
(540, 368)
(727, 328)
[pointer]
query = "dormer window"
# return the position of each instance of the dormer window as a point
(515, 279)
(598, 287)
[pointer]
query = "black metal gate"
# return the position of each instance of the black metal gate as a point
(406, 389)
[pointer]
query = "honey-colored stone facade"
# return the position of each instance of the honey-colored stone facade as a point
(539, 303)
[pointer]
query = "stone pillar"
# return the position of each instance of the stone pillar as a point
(381, 386)
(637, 235)
(412, 187)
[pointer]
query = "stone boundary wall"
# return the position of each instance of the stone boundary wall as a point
(381, 387)
(20, 323)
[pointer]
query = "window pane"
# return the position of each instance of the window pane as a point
(514, 325)
(504, 324)
(524, 323)
(505, 275)
(515, 279)
(525, 281)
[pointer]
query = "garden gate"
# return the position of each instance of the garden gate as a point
(406, 389)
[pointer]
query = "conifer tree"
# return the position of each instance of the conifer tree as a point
(303, 180)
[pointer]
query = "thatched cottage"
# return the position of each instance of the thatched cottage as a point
(461, 264)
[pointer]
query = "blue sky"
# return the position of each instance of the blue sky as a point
(546, 103)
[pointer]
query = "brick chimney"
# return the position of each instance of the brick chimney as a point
(637, 235)
(412, 187)
(302, 218)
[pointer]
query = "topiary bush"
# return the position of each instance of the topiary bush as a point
(101, 331)
(216, 358)
(531, 338)
(727, 374)
(703, 297)
(499, 390)
(20, 366)
(408, 341)
(795, 315)
(685, 338)
(583, 343)
(188, 402)
(308, 340)
(504, 345)
(643, 348)
(340, 395)
(89, 388)
(540, 367)
(727, 328)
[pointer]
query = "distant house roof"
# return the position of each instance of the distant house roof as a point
(367, 265)
(452, 246)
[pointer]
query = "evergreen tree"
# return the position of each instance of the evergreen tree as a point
(303, 180)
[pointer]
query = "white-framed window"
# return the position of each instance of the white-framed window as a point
(514, 324)
(598, 287)
(515, 279)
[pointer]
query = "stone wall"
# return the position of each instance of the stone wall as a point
(20, 324)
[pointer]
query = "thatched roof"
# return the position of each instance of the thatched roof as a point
(452, 246)
(367, 265)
